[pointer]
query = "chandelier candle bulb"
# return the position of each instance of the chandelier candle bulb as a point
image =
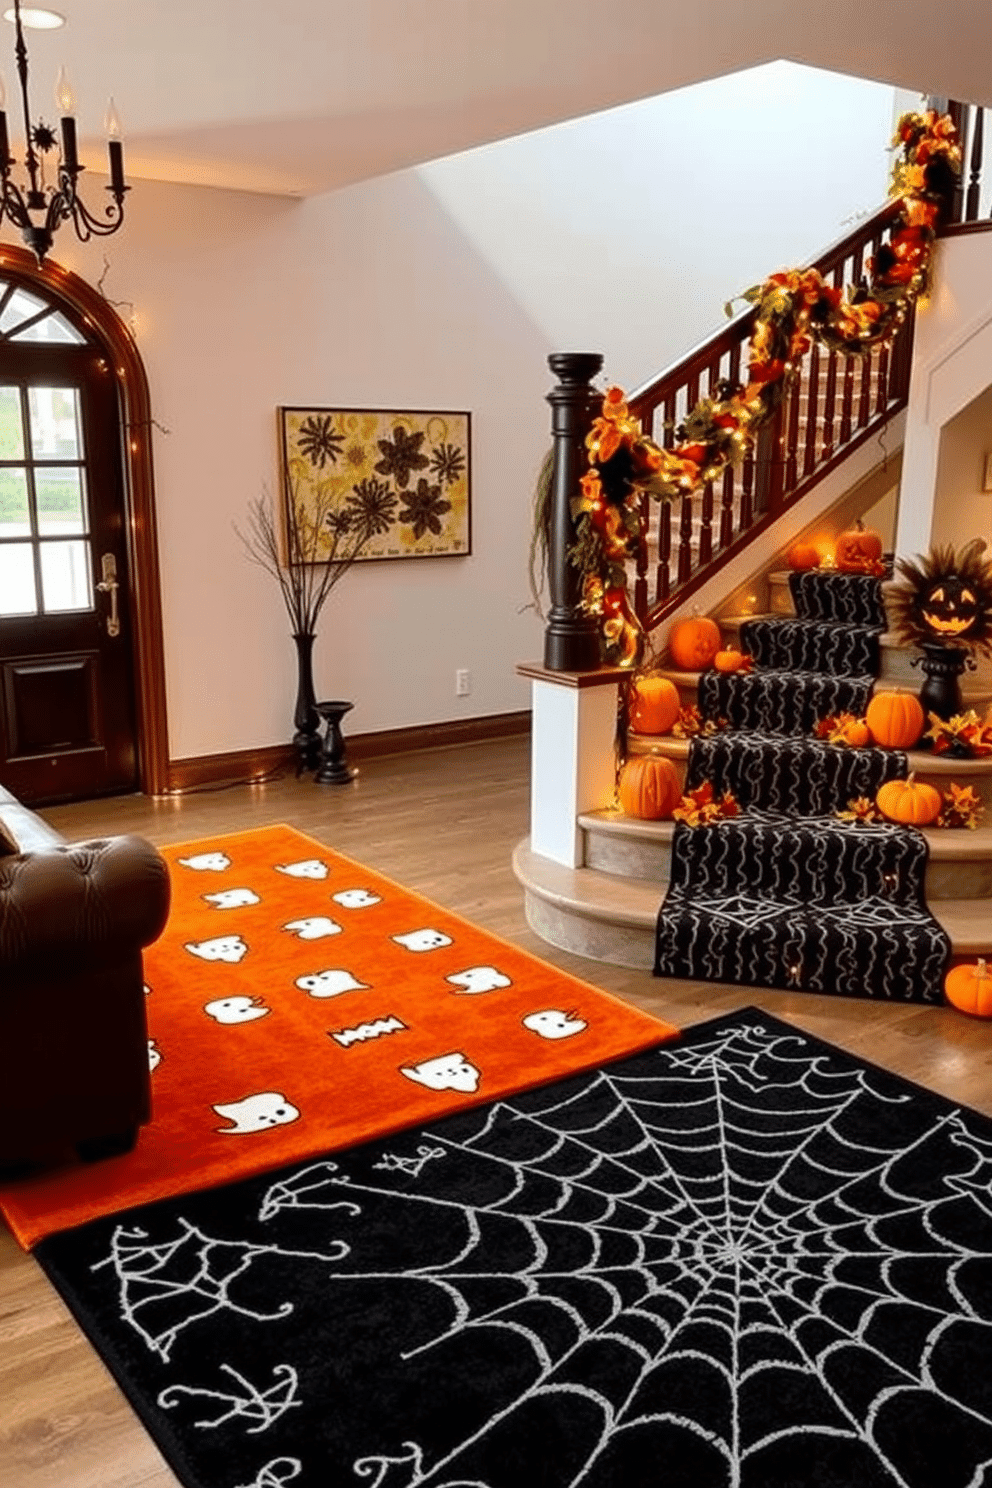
(70, 157)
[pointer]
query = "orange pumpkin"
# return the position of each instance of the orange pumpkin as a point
(649, 787)
(896, 719)
(654, 705)
(856, 548)
(911, 802)
(693, 643)
(854, 731)
(730, 660)
(969, 988)
(803, 555)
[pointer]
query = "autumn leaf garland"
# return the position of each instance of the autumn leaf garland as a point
(793, 309)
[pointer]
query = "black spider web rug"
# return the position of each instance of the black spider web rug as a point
(745, 1259)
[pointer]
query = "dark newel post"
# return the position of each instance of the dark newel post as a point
(571, 638)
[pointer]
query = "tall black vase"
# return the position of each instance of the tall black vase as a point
(942, 666)
(306, 740)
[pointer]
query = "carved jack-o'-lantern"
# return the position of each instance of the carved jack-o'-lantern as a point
(945, 597)
(949, 608)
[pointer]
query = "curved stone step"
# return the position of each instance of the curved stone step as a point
(960, 865)
(609, 918)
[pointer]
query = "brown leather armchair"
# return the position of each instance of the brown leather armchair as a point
(73, 1037)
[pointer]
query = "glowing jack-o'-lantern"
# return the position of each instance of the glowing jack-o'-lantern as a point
(950, 607)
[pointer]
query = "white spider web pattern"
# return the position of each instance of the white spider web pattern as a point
(709, 1227)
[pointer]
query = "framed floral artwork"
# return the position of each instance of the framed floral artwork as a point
(402, 480)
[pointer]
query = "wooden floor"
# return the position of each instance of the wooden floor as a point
(442, 822)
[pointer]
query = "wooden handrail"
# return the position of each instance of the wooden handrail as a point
(833, 405)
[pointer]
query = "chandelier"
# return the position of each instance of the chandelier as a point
(40, 206)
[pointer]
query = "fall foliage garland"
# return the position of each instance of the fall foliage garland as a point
(793, 309)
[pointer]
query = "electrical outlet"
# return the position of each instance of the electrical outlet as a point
(463, 682)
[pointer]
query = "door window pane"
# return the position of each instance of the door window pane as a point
(14, 518)
(65, 576)
(59, 501)
(11, 427)
(54, 414)
(17, 593)
(20, 306)
(54, 328)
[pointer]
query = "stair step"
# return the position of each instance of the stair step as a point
(610, 918)
(935, 769)
(960, 865)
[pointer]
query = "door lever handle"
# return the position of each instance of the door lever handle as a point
(110, 586)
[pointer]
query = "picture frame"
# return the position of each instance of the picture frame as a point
(407, 473)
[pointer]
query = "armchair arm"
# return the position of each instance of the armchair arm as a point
(81, 904)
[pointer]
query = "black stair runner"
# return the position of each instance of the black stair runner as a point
(786, 895)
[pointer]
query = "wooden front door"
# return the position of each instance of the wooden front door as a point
(67, 717)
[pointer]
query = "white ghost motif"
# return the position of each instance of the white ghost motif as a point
(552, 1023)
(148, 990)
(478, 979)
(308, 868)
(355, 898)
(220, 948)
(445, 1072)
(256, 1113)
(313, 927)
(208, 862)
(235, 1009)
(154, 1056)
(232, 898)
(330, 983)
(423, 940)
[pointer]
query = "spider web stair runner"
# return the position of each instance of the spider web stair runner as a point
(787, 896)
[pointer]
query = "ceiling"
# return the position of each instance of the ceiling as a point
(303, 96)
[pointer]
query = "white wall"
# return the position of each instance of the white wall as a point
(444, 287)
(627, 232)
(952, 366)
(962, 509)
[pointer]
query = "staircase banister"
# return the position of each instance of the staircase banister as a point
(647, 397)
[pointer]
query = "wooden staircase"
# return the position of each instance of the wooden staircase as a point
(607, 907)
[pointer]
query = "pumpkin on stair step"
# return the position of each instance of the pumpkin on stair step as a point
(858, 550)
(911, 802)
(732, 660)
(969, 989)
(649, 787)
(802, 556)
(654, 705)
(694, 642)
(896, 719)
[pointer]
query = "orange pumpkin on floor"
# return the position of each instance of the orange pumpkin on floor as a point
(969, 988)
(896, 719)
(803, 555)
(856, 548)
(693, 643)
(654, 705)
(649, 787)
(910, 802)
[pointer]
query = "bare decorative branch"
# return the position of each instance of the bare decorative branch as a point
(322, 541)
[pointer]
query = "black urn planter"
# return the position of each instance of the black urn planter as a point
(306, 739)
(942, 666)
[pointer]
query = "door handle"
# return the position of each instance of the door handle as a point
(110, 586)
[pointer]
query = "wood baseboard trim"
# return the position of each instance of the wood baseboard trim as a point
(253, 766)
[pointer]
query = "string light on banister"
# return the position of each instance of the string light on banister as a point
(39, 206)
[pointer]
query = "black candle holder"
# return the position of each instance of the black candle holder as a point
(334, 768)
